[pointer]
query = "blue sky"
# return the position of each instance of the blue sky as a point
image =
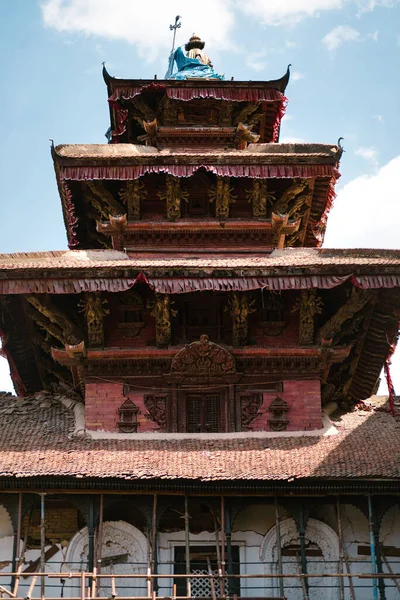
(346, 60)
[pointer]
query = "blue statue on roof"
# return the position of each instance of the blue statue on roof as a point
(194, 64)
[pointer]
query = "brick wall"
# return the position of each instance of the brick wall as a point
(102, 402)
(303, 397)
(304, 400)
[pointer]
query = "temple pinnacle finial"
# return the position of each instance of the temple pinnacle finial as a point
(194, 42)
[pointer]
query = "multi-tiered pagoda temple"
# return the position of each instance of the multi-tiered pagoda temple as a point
(192, 346)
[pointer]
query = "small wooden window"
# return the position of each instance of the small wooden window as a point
(203, 413)
(128, 413)
(278, 420)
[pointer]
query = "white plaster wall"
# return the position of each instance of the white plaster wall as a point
(250, 528)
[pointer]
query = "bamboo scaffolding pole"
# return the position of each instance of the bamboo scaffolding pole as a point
(341, 550)
(4, 590)
(212, 583)
(42, 545)
(217, 549)
(149, 581)
(154, 541)
(223, 542)
(19, 526)
(350, 576)
(17, 538)
(187, 546)
(113, 588)
(69, 575)
(302, 580)
(279, 546)
(31, 587)
(83, 583)
(99, 546)
(93, 586)
(389, 568)
(22, 554)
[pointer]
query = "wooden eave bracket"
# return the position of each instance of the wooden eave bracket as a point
(281, 227)
(70, 355)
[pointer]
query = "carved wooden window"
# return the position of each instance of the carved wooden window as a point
(200, 315)
(128, 413)
(272, 313)
(130, 314)
(203, 413)
(278, 409)
(197, 205)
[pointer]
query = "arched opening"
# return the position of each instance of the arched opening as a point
(123, 551)
(322, 551)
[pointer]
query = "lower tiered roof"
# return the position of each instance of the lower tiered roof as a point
(360, 444)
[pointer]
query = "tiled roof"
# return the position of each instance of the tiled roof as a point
(35, 442)
(287, 258)
(261, 151)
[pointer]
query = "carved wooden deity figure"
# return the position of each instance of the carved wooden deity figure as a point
(162, 313)
(259, 197)
(241, 308)
(173, 196)
(132, 195)
(92, 306)
(309, 304)
(221, 194)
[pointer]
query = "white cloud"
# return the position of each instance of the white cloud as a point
(296, 75)
(379, 118)
(277, 12)
(366, 212)
(368, 5)
(369, 154)
(146, 24)
(339, 35)
(256, 60)
(142, 24)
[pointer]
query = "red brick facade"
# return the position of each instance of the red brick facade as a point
(302, 396)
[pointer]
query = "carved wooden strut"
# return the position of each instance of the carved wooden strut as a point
(132, 195)
(93, 308)
(173, 196)
(162, 312)
(240, 308)
(309, 304)
(221, 194)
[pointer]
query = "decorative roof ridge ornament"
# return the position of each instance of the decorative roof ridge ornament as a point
(195, 64)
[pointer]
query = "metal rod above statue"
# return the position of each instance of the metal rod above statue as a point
(173, 28)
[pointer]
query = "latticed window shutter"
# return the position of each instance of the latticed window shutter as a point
(203, 413)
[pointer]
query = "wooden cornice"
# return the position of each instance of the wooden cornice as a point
(335, 354)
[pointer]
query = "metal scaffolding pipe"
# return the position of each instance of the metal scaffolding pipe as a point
(372, 545)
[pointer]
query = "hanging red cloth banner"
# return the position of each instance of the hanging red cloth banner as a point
(392, 394)
(118, 172)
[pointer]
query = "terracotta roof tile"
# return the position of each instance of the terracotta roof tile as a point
(35, 442)
(307, 258)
